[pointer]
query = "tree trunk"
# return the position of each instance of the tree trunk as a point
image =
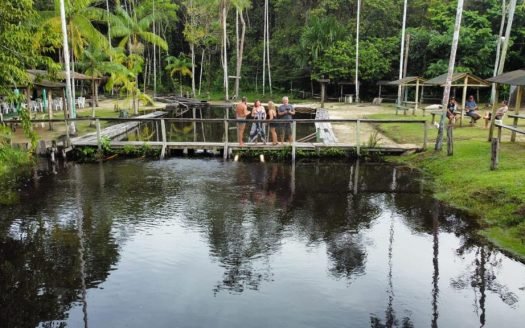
(357, 52)
(240, 52)
(498, 49)
(451, 62)
(268, 46)
(192, 48)
(154, 57)
(66, 63)
(225, 53)
(93, 96)
(264, 46)
(402, 52)
(201, 69)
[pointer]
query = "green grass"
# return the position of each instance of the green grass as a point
(465, 180)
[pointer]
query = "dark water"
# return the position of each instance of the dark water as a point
(206, 243)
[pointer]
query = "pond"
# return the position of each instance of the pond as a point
(205, 243)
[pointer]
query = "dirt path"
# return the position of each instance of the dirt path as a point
(346, 132)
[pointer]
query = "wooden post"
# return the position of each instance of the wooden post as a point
(294, 132)
(513, 134)
(494, 154)
(323, 90)
(519, 92)
(50, 108)
(322, 94)
(417, 96)
(499, 133)
(226, 128)
(494, 106)
(99, 141)
(425, 134)
(450, 140)
(463, 100)
(358, 151)
(519, 95)
(194, 112)
(163, 136)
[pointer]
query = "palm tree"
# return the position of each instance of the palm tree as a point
(80, 15)
(180, 65)
(96, 63)
(133, 31)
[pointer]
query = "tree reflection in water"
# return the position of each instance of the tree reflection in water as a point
(41, 255)
(246, 212)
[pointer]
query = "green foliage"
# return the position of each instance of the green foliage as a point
(16, 51)
(105, 144)
(28, 128)
(338, 62)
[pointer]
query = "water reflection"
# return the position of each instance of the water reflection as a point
(311, 244)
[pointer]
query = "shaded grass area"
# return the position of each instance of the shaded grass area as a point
(465, 180)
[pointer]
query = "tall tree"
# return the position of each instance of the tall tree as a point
(133, 30)
(452, 60)
(95, 63)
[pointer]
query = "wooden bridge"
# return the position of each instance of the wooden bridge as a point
(324, 137)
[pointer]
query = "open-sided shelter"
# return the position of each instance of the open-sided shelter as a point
(464, 80)
(410, 81)
(516, 78)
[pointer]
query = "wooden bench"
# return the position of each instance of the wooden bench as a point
(403, 108)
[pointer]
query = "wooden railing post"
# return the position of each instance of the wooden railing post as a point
(357, 141)
(494, 154)
(450, 140)
(513, 133)
(163, 136)
(99, 140)
(226, 128)
(194, 113)
(425, 133)
(294, 135)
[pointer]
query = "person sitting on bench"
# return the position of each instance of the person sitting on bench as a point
(471, 109)
(451, 110)
(500, 112)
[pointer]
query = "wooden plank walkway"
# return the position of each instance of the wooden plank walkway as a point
(326, 134)
(112, 131)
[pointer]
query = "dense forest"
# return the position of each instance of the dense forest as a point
(196, 46)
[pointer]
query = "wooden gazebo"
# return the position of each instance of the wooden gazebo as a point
(464, 80)
(516, 78)
(410, 81)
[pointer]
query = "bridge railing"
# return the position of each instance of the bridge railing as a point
(304, 132)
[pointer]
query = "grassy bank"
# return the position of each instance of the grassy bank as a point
(465, 180)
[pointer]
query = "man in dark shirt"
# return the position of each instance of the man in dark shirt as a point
(286, 112)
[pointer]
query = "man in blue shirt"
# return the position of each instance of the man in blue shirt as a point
(471, 109)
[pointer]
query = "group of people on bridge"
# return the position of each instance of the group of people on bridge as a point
(261, 115)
